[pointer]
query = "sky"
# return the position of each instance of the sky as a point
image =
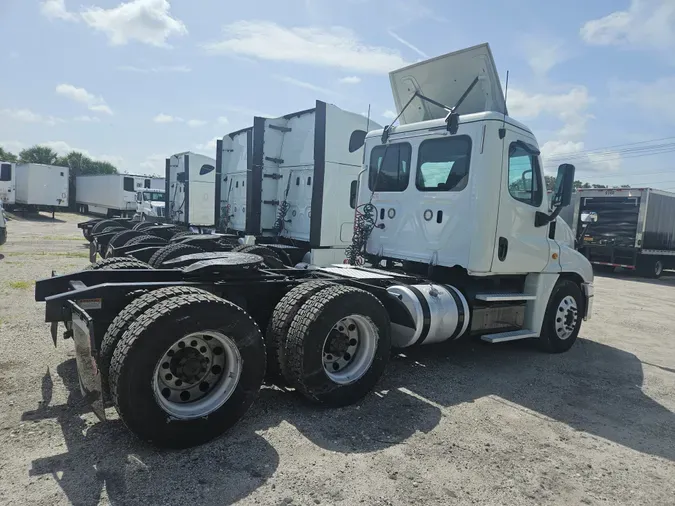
(134, 82)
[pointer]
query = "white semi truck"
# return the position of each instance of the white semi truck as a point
(190, 190)
(454, 238)
(150, 204)
(7, 183)
(112, 195)
(290, 181)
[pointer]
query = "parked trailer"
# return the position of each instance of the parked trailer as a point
(3, 225)
(455, 241)
(41, 187)
(112, 195)
(191, 189)
(7, 184)
(298, 176)
(635, 228)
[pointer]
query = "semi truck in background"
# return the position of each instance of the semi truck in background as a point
(112, 195)
(150, 204)
(7, 183)
(632, 228)
(41, 187)
(190, 190)
(291, 181)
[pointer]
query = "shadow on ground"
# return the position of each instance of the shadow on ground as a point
(33, 216)
(593, 388)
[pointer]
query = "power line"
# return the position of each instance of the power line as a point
(615, 146)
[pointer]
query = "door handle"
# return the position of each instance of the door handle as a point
(502, 249)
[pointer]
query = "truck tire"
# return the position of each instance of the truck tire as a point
(650, 266)
(108, 230)
(142, 225)
(179, 235)
(338, 345)
(187, 370)
(129, 263)
(126, 317)
(102, 264)
(142, 239)
(119, 239)
(280, 322)
(563, 316)
(271, 258)
(172, 251)
(102, 225)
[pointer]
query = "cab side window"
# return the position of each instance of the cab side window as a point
(443, 164)
(389, 168)
(524, 175)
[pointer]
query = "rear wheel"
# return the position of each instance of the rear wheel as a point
(182, 234)
(650, 266)
(338, 345)
(106, 262)
(187, 370)
(143, 239)
(142, 225)
(280, 322)
(128, 263)
(563, 316)
(172, 251)
(102, 225)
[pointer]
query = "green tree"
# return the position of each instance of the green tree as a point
(79, 165)
(550, 182)
(6, 156)
(39, 154)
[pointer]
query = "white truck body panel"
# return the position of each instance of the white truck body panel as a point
(151, 202)
(41, 185)
(112, 193)
(190, 189)
(300, 159)
(7, 183)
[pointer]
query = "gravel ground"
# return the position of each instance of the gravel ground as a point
(467, 424)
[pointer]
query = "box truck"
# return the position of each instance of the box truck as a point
(635, 228)
(457, 252)
(41, 187)
(112, 194)
(190, 190)
(7, 184)
(298, 176)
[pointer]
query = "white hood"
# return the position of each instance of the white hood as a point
(445, 79)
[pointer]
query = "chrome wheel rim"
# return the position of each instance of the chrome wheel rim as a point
(197, 375)
(566, 317)
(349, 349)
(658, 268)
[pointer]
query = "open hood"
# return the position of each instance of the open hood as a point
(445, 79)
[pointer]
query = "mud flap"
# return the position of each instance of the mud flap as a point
(87, 368)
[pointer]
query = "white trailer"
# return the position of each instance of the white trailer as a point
(7, 184)
(190, 189)
(41, 186)
(300, 180)
(112, 194)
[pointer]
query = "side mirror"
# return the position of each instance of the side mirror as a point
(352, 194)
(564, 185)
(357, 140)
(589, 217)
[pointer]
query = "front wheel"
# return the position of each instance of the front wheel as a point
(562, 320)
(187, 370)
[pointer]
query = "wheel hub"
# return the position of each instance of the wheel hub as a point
(567, 317)
(349, 349)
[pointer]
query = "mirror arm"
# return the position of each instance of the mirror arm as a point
(543, 219)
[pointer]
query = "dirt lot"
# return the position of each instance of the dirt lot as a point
(469, 424)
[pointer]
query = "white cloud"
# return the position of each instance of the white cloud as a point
(12, 146)
(196, 123)
(209, 146)
(408, 44)
(222, 120)
(166, 118)
(155, 70)
(657, 97)
(87, 119)
(28, 116)
(544, 52)
(93, 103)
(328, 47)
(304, 84)
(155, 164)
(350, 80)
(146, 21)
(56, 9)
(646, 24)
(388, 114)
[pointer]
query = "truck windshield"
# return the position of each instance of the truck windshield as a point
(153, 196)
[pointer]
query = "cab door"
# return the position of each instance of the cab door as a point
(520, 247)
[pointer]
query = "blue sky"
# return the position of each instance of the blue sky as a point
(133, 82)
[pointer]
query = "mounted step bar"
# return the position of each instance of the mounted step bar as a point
(513, 335)
(504, 297)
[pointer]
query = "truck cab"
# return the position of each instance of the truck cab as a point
(7, 183)
(150, 203)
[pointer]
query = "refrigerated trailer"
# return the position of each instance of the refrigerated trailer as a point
(635, 228)
(41, 187)
(298, 176)
(7, 183)
(112, 195)
(190, 190)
